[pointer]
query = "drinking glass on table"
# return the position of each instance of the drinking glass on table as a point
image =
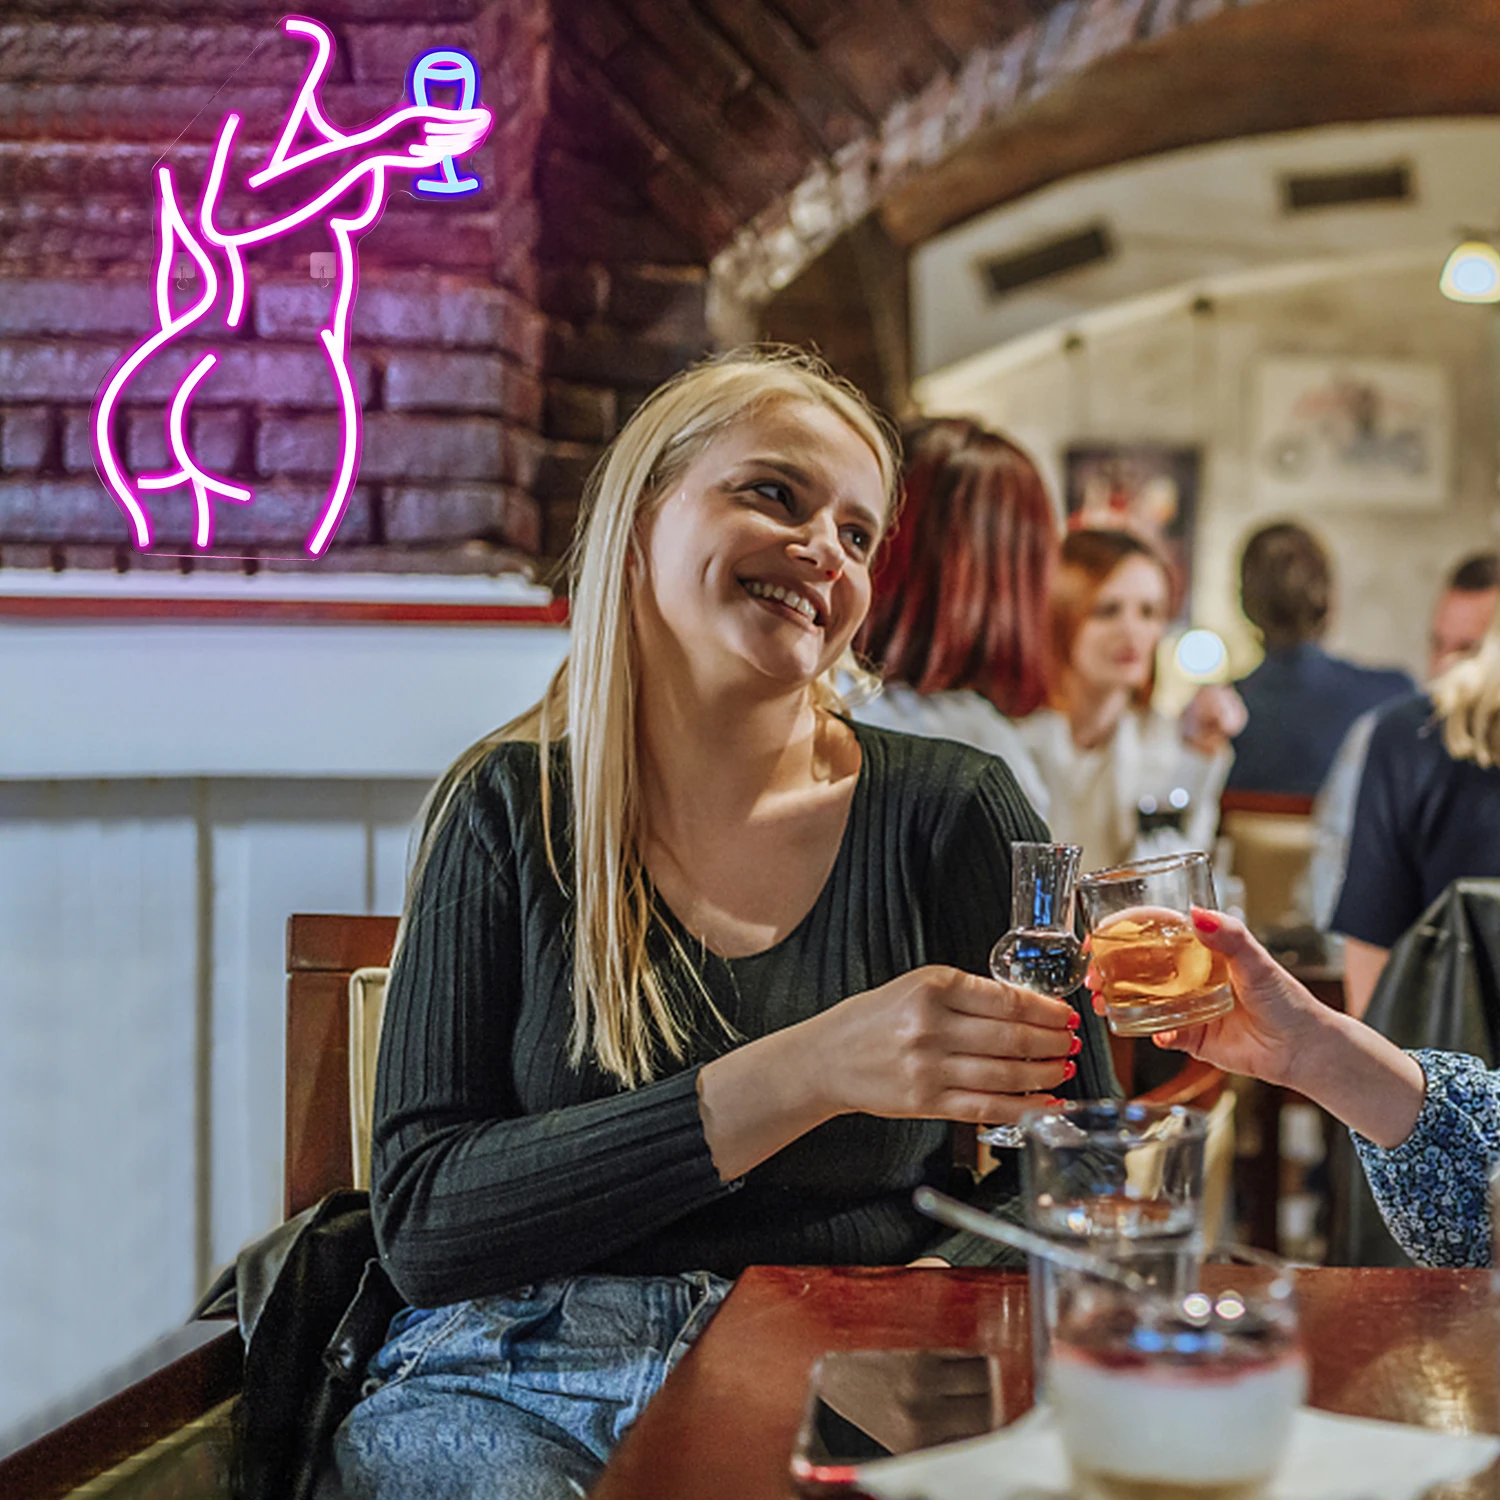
(1118, 1179)
(1154, 973)
(1041, 951)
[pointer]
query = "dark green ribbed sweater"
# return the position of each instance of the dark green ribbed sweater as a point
(497, 1162)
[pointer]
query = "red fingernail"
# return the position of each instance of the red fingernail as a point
(1070, 1071)
(1206, 921)
(1073, 1019)
(1075, 1046)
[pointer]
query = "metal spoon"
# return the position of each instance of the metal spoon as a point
(959, 1215)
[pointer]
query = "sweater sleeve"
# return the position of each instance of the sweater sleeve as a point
(970, 882)
(1433, 1189)
(470, 1195)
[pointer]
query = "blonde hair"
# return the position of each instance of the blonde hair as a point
(1467, 697)
(626, 1015)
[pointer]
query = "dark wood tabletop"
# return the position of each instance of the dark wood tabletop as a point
(1401, 1345)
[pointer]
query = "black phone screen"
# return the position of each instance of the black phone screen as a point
(865, 1404)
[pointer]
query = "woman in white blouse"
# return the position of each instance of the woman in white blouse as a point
(1103, 752)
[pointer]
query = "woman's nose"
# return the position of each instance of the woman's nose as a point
(819, 545)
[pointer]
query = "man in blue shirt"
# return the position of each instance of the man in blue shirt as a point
(1301, 700)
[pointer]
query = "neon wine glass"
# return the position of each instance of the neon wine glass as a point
(1041, 952)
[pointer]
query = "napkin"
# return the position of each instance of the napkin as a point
(1329, 1458)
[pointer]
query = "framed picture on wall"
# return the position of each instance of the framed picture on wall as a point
(1149, 487)
(1338, 432)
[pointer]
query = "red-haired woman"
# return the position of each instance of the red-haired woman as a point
(1099, 745)
(957, 624)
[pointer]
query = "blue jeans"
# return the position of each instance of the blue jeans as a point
(516, 1397)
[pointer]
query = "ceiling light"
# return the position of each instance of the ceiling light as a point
(1472, 273)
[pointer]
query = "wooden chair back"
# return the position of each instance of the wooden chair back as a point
(322, 953)
(1272, 834)
(325, 951)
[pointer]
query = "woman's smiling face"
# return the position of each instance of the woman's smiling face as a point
(758, 559)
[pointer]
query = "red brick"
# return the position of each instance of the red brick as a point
(577, 293)
(564, 469)
(53, 372)
(447, 312)
(559, 522)
(580, 413)
(217, 441)
(785, 62)
(163, 52)
(58, 510)
(664, 304)
(134, 112)
(251, 372)
(284, 514)
(492, 511)
(25, 437)
(93, 306)
(1049, 54)
(395, 447)
(696, 50)
(427, 381)
(383, 54)
(607, 358)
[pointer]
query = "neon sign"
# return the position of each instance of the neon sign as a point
(330, 166)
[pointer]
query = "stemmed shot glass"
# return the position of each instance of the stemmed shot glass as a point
(1040, 952)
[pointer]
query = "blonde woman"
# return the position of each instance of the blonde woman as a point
(690, 972)
(1428, 812)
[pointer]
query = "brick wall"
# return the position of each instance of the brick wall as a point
(448, 337)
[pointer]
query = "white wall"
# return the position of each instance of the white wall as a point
(169, 794)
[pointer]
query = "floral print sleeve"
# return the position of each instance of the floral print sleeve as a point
(1433, 1188)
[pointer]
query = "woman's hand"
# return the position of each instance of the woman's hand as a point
(1215, 716)
(1274, 1019)
(942, 1044)
(1277, 1031)
(935, 1044)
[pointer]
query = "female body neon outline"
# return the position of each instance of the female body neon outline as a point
(411, 139)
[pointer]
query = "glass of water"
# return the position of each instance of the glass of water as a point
(1118, 1179)
(1040, 951)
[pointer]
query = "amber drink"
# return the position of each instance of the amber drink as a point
(1154, 973)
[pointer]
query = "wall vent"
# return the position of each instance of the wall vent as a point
(1009, 273)
(1341, 189)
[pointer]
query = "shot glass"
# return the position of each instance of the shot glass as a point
(1191, 1398)
(1155, 973)
(1117, 1179)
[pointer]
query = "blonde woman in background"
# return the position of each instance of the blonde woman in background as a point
(692, 972)
(1428, 812)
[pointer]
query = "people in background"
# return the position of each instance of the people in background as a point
(1426, 1124)
(1428, 811)
(1301, 700)
(1459, 620)
(957, 625)
(692, 970)
(1099, 746)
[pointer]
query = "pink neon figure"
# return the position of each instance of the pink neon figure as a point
(410, 139)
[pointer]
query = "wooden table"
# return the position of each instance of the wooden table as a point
(1406, 1346)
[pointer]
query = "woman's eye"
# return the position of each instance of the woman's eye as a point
(774, 489)
(859, 539)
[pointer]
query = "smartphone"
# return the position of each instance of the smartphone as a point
(867, 1404)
